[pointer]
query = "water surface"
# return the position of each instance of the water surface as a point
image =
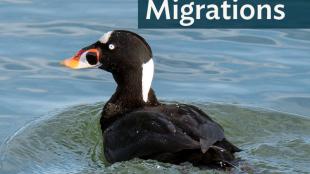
(251, 69)
(70, 141)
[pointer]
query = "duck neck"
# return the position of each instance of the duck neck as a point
(133, 90)
(129, 88)
(130, 95)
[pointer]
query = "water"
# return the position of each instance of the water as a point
(70, 141)
(254, 82)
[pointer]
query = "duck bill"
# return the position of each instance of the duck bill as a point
(79, 60)
(72, 62)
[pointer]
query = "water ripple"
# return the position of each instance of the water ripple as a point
(52, 28)
(73, 142)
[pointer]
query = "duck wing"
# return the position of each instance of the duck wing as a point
(144, 133)
(198, 125)
(170, 133)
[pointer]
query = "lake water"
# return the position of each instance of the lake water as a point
(253, 82)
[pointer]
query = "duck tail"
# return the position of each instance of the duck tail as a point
(221, 156)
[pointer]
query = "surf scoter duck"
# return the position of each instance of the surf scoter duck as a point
(135, 124)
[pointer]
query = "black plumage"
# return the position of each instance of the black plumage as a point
(138, 125)
(173, 133)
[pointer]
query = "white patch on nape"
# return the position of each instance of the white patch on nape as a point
(147, 77)
(105, 38)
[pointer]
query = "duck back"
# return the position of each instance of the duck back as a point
(169, 133)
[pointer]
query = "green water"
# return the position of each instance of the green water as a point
(70, 141)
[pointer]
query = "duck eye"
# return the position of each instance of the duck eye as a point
(111, 46)
(91, 58)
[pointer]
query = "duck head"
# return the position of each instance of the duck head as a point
(123, 53)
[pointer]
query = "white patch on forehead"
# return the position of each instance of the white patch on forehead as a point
(147, 77)
(105, 38)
